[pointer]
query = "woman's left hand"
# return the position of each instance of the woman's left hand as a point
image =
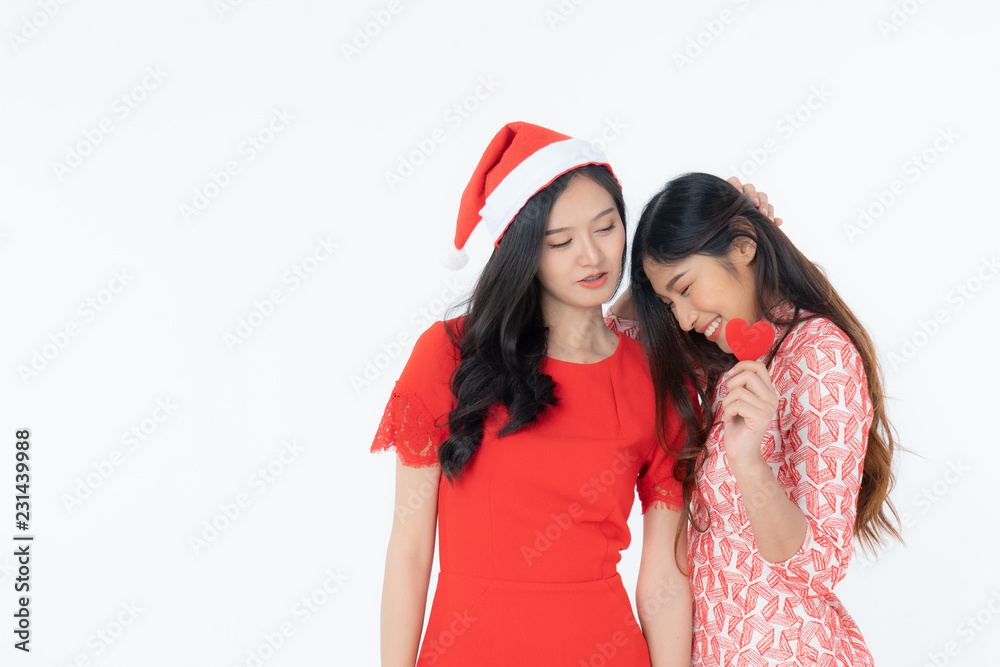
(758, 198)
(747, 411)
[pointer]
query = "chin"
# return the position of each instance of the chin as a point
(597, 300)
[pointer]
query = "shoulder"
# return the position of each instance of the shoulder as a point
(630, 352)
(434, 355)
(819, 348)
(817, 334)
(436, 339)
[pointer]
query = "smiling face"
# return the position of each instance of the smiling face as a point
(582, 250)
(703, 295)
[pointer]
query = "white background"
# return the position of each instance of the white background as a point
(883, 79)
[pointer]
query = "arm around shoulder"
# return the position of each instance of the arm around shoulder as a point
(621, 316)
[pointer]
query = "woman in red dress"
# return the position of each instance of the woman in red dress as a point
(798, 457)
(542, 422)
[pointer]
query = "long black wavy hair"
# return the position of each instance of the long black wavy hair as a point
(502, 339)
(702, 214)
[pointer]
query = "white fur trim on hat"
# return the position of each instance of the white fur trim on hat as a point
(531, 175)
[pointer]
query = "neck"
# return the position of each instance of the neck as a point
(770, 301)
(577, 334)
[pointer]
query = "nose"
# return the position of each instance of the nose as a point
(686, 316)
(590, 253)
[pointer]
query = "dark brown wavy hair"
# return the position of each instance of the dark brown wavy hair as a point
(701, 214)
(502, 336)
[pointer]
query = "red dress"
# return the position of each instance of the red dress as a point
(529, 535)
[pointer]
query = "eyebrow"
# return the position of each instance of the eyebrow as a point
(596, 217)
(673, 280)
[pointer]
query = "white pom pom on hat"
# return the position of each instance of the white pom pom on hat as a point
(521, 160)
(454, 259)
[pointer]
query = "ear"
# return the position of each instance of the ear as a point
(742, 251)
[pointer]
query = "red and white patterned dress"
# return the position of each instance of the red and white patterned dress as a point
(748, 611)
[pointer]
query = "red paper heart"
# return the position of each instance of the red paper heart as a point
(747, 342)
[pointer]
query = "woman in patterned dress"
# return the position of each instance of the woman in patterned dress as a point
(795, 454)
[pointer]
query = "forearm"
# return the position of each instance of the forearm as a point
(778, 525)
(404, 600)
(665, 616)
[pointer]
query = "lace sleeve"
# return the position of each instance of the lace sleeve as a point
(408, 428)
(666, 493)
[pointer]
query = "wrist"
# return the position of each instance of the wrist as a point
(750, 464)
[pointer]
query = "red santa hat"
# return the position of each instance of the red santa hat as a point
(521, 160)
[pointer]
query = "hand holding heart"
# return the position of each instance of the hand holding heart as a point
(747, 411)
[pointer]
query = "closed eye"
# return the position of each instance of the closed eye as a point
(606, 230)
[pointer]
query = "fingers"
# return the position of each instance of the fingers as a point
(735, 182)
(750, 366)
(744, 402)
(748, 374)
(759, 199)
(752, 377)
(756, 387)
